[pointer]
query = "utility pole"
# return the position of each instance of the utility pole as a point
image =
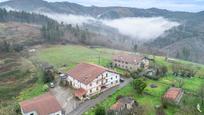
(99, 58)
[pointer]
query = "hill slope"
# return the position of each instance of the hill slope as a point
(188, 36)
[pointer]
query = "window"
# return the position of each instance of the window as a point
(116, 81)
(96, 82)
(111, 82)
(106, 75)
(90, 91)
(32, 114)
(90, 84)
(116, 76)
(111, 78)
(126, 62)
(106, 80)
(97, 88)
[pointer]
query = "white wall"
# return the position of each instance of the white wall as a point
(35, 113)
(75, 83)
(95, 86)
(56, 113)
(23, 113)
(112, 78)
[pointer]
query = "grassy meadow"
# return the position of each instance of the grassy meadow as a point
(152, 97)
(16, 83)
(72, 54)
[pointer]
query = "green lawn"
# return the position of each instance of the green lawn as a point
(71, 55)
(149, 102)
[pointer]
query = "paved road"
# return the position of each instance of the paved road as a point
(83, 107)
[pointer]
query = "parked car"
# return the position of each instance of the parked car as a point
(63, 76)
(122, 80)
(52, 85)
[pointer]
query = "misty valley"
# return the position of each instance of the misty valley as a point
(99, 60)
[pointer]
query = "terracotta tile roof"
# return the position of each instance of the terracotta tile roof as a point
(86, 73)
(121, 102)
(130, 58)
(43, 105)
(80, 92)
(172, 93)
(116, 106)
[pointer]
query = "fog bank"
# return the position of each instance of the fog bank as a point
(142, 28)
(135, 27)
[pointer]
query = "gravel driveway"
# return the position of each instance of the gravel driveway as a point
(65, 98)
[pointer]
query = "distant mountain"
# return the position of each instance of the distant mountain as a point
(99, 12)
(185, 41)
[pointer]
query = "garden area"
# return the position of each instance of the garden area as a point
(70, 55)
(151, 96)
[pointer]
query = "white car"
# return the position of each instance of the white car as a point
(52, 85)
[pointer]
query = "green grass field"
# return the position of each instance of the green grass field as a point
(150, 101)
(71, 55)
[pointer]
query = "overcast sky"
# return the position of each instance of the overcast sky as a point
(176, 5)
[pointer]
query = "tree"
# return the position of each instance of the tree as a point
(160, 111)
(201, 94)
(135, 48)
(5, 46)
(183, 71)
(164, 70)
(100, 110)
(139, 110)
(49, 75)
(52, 31)
(187, 110)
(139, 85)
(180, 83)
(186, 53)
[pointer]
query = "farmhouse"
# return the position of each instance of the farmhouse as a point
(91, 79)
(45, 104)
(123, 106)
(130, 62)
(173, 95)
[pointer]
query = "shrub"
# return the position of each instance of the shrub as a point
(119, 97)
(48, 76)
(100, 110)
(139, 85)
(45, 87)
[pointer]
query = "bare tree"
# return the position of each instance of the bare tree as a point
(201, 94)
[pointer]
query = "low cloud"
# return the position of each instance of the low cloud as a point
(135, 27)
(142, 28)
(70, 19)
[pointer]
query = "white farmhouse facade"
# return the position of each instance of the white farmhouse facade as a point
(90, 79)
